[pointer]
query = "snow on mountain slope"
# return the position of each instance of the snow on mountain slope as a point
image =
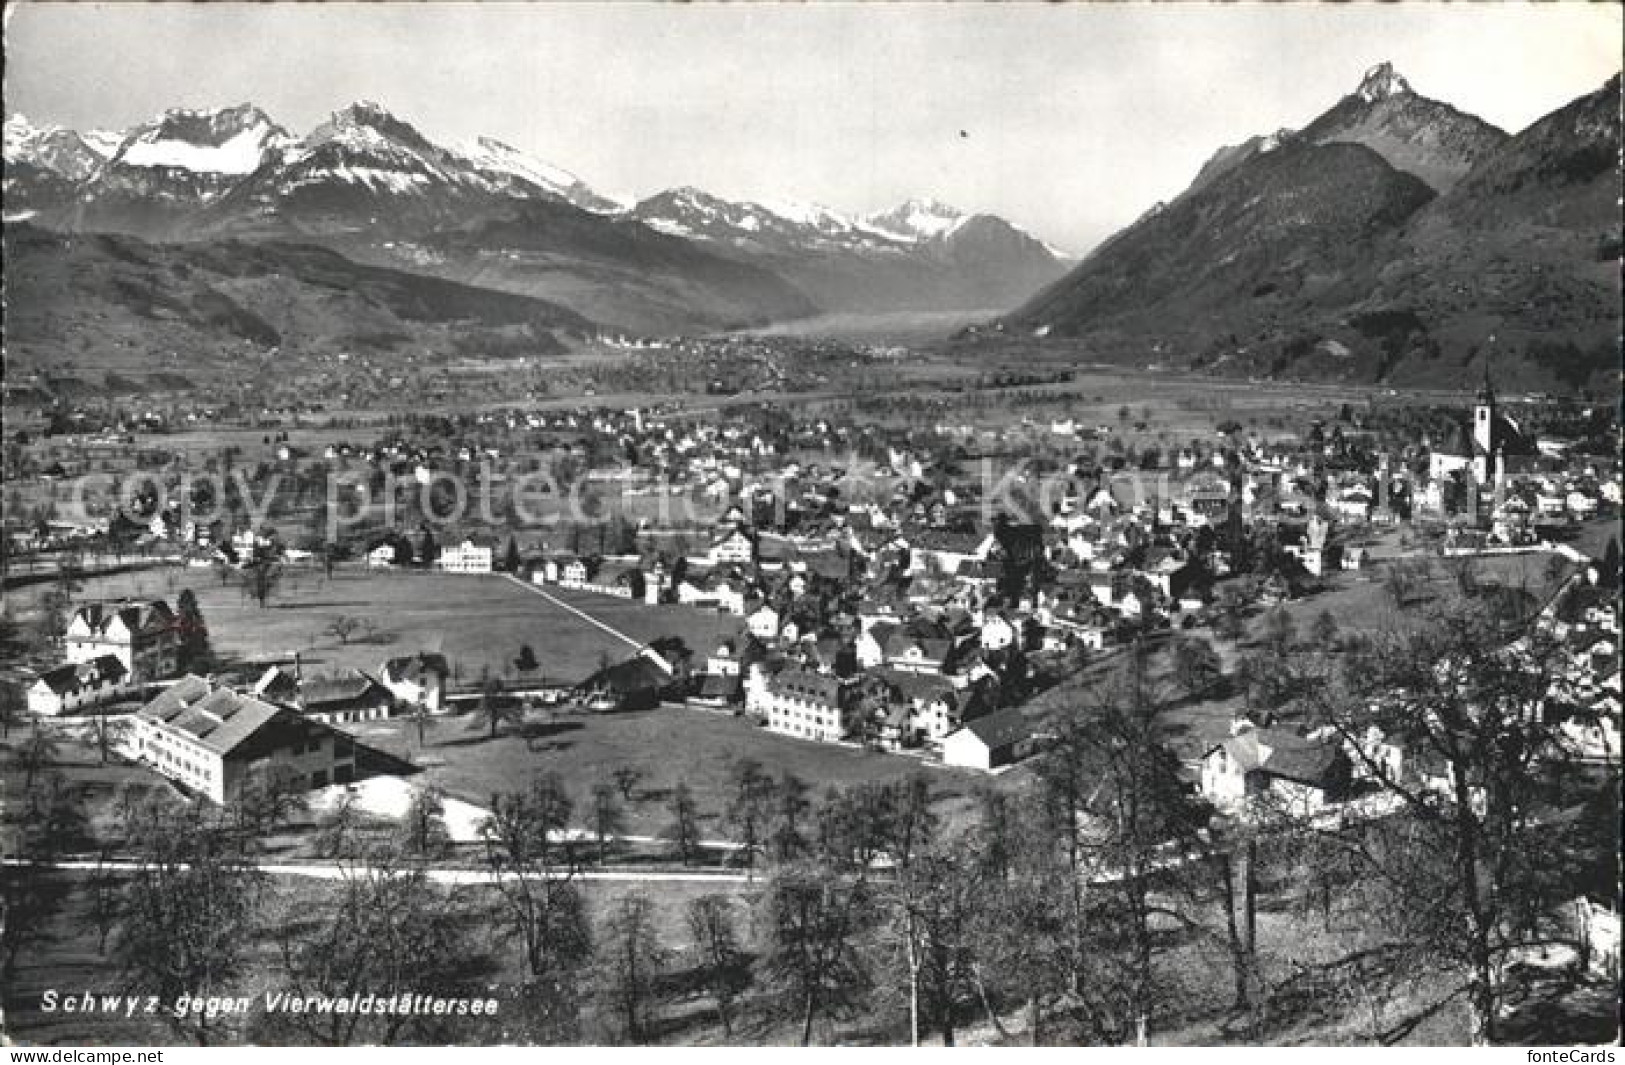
(53, 148)
(234, 141)
(496, 159)
(917, 220)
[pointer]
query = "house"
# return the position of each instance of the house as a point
(998, 632)
(142, 636)
(718, 691)
(382, 556)
(798, 702)
(763, 623)
(871, 644)
(343, 698)
(724, 661)
(1299, 773)
(730, 548)
(209, 739)
(417, 680)
(466, 557)
(634, 684)
(78, 685)
(989, 742)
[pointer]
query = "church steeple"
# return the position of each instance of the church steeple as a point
(1486, 391)
(1484, 416)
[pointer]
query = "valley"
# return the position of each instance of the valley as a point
(701, 617)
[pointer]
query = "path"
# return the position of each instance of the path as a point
(583, 615)
(343, 870)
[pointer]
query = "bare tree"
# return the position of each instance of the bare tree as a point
(684, 829)
(631, 959)
(608, 819)
(1467, 860)
(718, 954)
(810, 955)
(343, 627)
(627, 778)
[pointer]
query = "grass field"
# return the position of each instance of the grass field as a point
(479, 622)
(668, 745)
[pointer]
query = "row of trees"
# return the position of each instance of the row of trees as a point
(1094, 906)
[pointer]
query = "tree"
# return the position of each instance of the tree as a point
(261, 579)
(1467, 866)
(1196, 665)
(337, 829)
(750, 807)
(788, 840)
(544, 910)
(39, 750)
(811, 923)
(12, 704)
(511, 560)
(422, 719)
(343, 627)
(717, 954)
(186, 914)
(387, 931)
(631, 960)
(526, 663)
(937, 896)
(196, 655)
(422, 830)
(1118, 805)
(1324, 631)
(627, 778)
(608, 819)
(1279, 632)
(110, 735)
(684, 829)
(496, 710)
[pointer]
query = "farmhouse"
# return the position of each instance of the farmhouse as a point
(417, 680)
(142, 636)
(78, 685)
(209, 739)
(799, 702)
(1265, 764)
(989, 742)
(466, 557)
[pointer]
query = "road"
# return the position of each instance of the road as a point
(583, 615)
(457, 876)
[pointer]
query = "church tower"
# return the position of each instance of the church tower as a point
(1484, 416)
(1484, 457)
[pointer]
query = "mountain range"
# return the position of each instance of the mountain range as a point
(371, 186)
(1393, 239)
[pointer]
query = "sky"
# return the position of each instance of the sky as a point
(1069, 119)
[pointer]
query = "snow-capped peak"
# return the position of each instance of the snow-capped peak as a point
(52, 147)
(920, 219)
(1381, 82)
(492, 156)
(235, 140)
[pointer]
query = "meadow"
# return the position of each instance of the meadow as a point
(478, 622)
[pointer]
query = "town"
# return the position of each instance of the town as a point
(978, 525)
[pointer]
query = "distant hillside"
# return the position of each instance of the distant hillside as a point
(1395, 239)
(122, 305)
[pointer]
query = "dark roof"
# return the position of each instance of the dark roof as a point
(75, 676)
(348, 686)
(805, 684)
(416, 668)
(1280, 753)
(1003, 729)
(220, 720)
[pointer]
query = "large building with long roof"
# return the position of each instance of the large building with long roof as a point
(208, 739)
